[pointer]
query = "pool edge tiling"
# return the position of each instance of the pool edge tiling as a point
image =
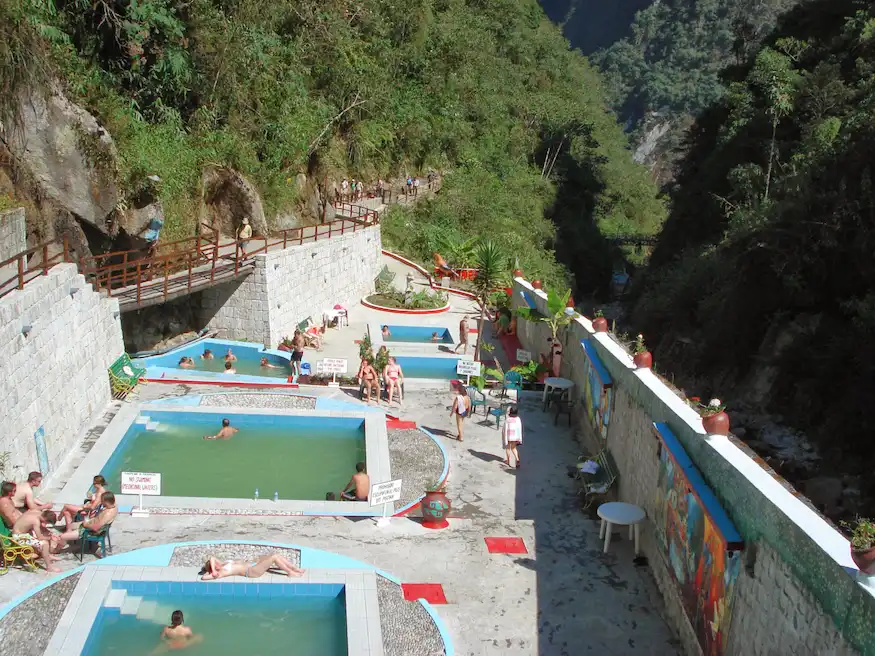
(376, 454)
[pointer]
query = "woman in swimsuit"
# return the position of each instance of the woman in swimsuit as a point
(461, 407)
(367, 376)
(394, 378)
(177, 635)
(214, 569)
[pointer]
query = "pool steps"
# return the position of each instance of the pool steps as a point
(134, 605)
(146, 421)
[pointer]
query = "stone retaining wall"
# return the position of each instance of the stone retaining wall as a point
(13, 236)
(290, 285)
(797, 591)
(54, 377)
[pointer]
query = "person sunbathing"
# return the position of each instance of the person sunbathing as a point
(214, 569)
(314, 335)
(440, 264)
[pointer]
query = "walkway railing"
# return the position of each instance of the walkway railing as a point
(153, 275)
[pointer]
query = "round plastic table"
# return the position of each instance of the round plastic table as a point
(621, 514)
(556, 383)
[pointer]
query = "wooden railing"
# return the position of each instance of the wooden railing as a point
(203, 258)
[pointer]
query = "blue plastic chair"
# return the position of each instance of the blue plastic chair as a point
(478, 399)
(101, 536)
(513, 380)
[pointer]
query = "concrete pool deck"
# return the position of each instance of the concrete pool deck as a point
(563, 597)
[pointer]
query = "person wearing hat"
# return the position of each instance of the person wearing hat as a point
(244, 235)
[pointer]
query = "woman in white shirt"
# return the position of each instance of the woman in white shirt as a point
(512, 436)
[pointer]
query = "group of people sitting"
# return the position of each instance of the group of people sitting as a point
(32, 523)
(392, 376)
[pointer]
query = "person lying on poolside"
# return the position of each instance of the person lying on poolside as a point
(225, 432)
(266, 364)
(177, 635)
(214, 569)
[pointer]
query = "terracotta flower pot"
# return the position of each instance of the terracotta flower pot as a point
(435, 509)
(864, 559)
(600, 325)
(643, 360)
(716, 424)
(537, 284)
(283, 347)
(517, 273)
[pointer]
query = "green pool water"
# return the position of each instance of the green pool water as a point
(298, 458)
(231, 626)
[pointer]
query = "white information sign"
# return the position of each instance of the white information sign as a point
(468, 368)
(523, 356)
(334, 365)
(141, 483)
(383, 493)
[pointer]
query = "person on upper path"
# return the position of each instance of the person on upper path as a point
(24, 498)
(225, 432)
(358, 487)
(244, 235)
(463, 336)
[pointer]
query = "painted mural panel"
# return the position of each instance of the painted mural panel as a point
(598, 391)
(700, 543)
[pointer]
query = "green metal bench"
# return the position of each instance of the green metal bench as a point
(124, 376)
(597, 486)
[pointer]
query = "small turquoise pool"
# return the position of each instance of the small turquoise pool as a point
(248, 362)
(419, 334)
(425, 367)
(226, 618)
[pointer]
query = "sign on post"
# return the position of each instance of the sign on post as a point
(523, 356)
(468, 368)
(383, 493)
(141, 483)
(334, 366)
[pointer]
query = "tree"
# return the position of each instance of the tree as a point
(557, 317)
(492, 270)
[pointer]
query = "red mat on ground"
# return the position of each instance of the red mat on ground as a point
(510, 343)
(433, 593)
(506, 545)
(396, 423)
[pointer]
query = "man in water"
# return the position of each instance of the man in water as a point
(225, 432)
(463, 336)
(186, 362)
(386, 332)
(177, 635)
(230, 357)
(358, 487)
(208, 355)
(265, 363)
(229, 368)
(24, 498)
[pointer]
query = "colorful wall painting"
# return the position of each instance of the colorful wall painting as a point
(598, 390)
(701, 545)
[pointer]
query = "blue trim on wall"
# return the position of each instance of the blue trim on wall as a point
(710, 504)
(528, 300)
(597, 364)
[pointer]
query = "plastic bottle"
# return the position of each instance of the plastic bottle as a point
(276, 496)
(256, 494)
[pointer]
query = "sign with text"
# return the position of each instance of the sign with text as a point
(523, 356)
(141, 483)
(334, 366)
(381, 493)
(468, 368)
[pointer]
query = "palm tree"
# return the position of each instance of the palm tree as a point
(558, 315)
(492, 268)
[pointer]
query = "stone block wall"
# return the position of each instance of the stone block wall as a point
(797, 592)
(290, 285)
(54, 377)
(13, 235)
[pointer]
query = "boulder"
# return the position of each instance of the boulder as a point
(824, 492)
(229, 197)
(66, 155)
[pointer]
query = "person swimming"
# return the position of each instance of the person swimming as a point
(208, 355)
(435, 337)
(266, 364)
(177, 635)
(225, 432)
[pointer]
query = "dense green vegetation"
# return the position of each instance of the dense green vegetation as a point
(485, 90)
(772, 229)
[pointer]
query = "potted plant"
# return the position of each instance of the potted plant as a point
(435, 505)
(715, 421)
(863, 545)
(537, 284)
(517, 273)
(643, 359)
(599, 323)
(285, 345)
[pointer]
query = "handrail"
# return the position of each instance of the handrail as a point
(24, 275)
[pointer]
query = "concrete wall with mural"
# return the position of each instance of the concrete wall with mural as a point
(57, 339)
(290, 285)
(791, 589)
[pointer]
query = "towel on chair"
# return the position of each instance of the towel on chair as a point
(588, 467)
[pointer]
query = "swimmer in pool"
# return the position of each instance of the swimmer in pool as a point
(208, 355)
(268, 365)
(214, 569)
(177, 635)
(435, 337)
(230, 357)
(229, 368)
(186, 363)
(225, 432)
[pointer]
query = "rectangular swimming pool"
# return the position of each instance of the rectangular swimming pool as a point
(419, 334)
(294, 619)
(415, 366)
(296, 456)
(248, 362)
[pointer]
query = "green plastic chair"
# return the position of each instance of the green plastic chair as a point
(101, 537)
(477, 397)
(513, 380)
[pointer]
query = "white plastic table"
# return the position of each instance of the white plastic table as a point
(621, 514)
(556, 383)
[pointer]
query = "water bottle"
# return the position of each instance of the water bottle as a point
(276, 496)
(256, 494)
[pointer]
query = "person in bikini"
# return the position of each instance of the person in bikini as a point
(358, 487)
(367, 375)
(177, 635)
(214, 569)
(225, 432)
(461, 408)
(91, 506)
(386, 332)
(394, 377)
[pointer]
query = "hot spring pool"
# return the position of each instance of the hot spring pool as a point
(425, 367)
(306, 622)
(297, 456)
(248, 362)
(418, 334)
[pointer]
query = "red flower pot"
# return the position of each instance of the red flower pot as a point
(643, 360)
(865, 560)
(517, 273)
(283, 347)
(508, 291)
(716, 424)
(435, 509)
(600, 325)
(537, 284)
